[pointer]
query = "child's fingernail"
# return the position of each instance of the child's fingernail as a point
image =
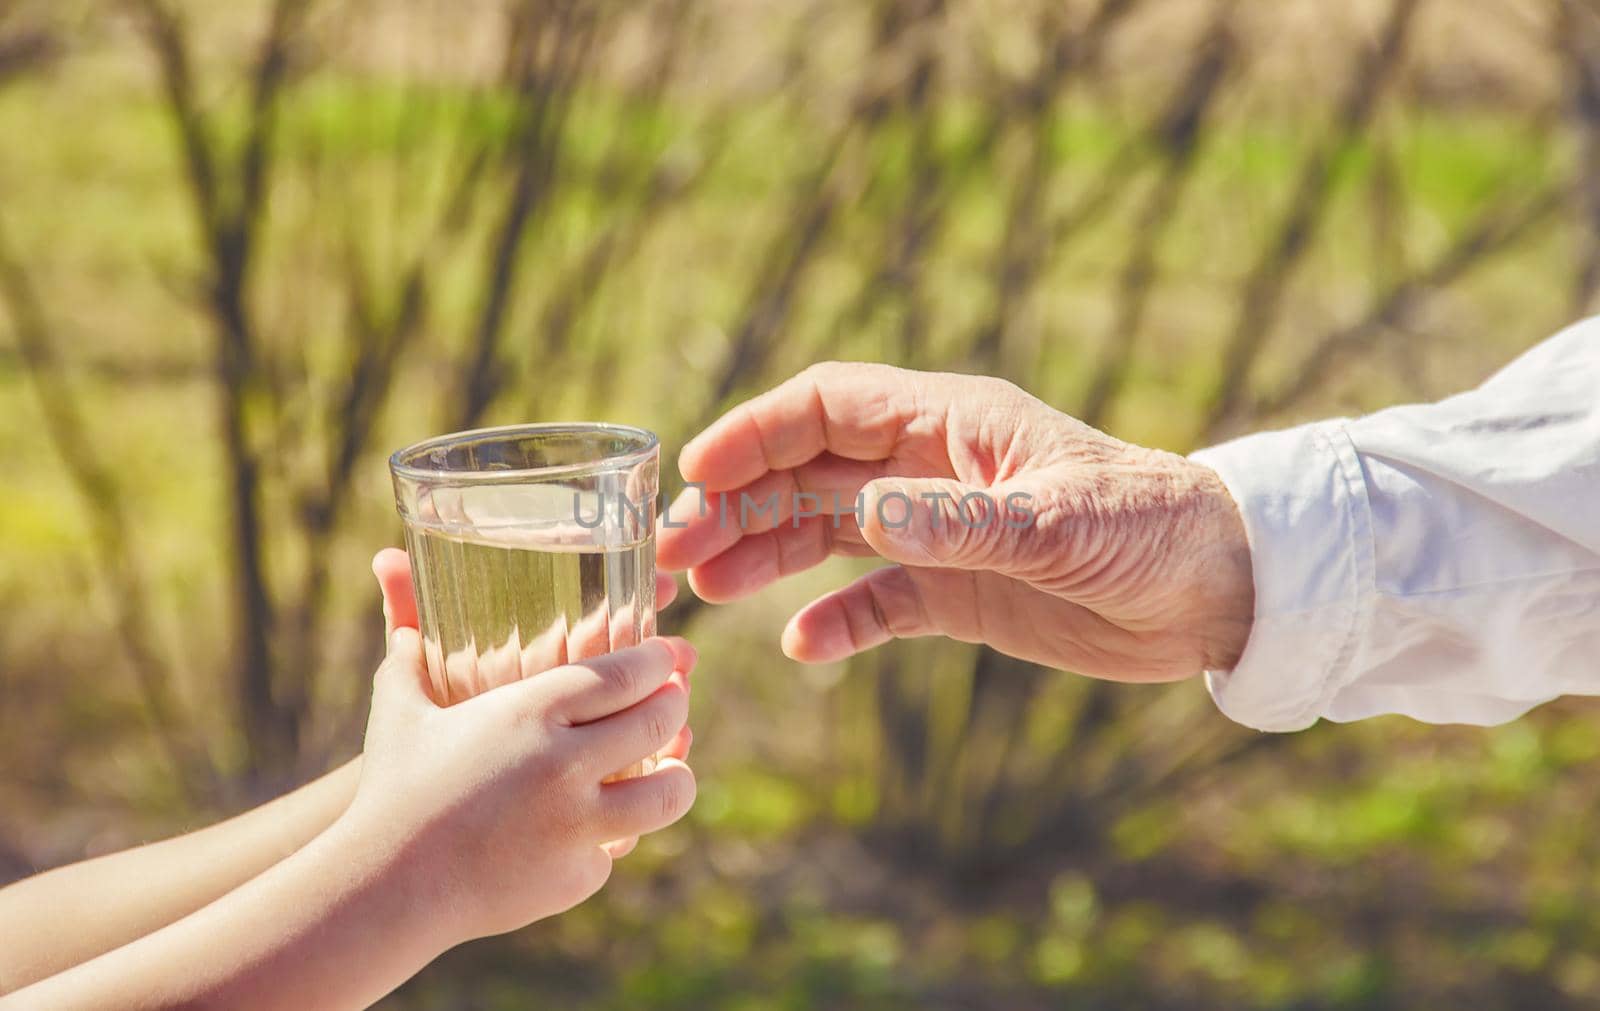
(684, 650)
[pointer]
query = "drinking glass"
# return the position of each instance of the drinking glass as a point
(531, 546)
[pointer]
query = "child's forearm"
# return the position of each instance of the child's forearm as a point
(69, 915)
(338, 924)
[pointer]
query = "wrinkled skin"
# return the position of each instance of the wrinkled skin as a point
(1134, 565)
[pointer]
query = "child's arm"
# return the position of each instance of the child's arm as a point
(467, 821)
(57, 919)
(63, 917)
(66, 916)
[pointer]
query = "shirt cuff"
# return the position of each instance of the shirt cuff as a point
(1309, 524)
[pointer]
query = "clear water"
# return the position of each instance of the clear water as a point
(510, 584)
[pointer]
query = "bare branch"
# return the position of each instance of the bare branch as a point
(834, 182)
(165, 33)
(544, 83)
(1024, 250)
(1179, 132)
(23, 50)
(229, 203)
(117, 563)
(1493, 232)
(1297, 229)
(1578, 41)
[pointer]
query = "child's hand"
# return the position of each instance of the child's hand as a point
(392, 567)
(495, 805)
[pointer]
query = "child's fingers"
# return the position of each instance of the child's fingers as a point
(619, 848)
(546, 650)
(602, 685)
(647, 803)
(666, 589)
(591, 635)
(393, 569)
(680, 745)
(637, 732)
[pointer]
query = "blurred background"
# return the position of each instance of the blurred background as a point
(248, 249)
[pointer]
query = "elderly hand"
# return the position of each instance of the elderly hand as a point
(1008, 523)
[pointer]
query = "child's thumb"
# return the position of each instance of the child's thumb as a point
(392, 568)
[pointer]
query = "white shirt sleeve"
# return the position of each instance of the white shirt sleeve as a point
(1440, 561)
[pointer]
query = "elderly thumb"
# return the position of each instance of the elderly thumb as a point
(937, 522)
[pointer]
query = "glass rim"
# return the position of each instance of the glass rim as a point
(648, 444)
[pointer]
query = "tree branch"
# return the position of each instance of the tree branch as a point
(1298, 228)
(112, 543)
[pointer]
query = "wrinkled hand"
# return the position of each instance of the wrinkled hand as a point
(1097, 556)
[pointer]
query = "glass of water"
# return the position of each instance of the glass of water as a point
(531, 546)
